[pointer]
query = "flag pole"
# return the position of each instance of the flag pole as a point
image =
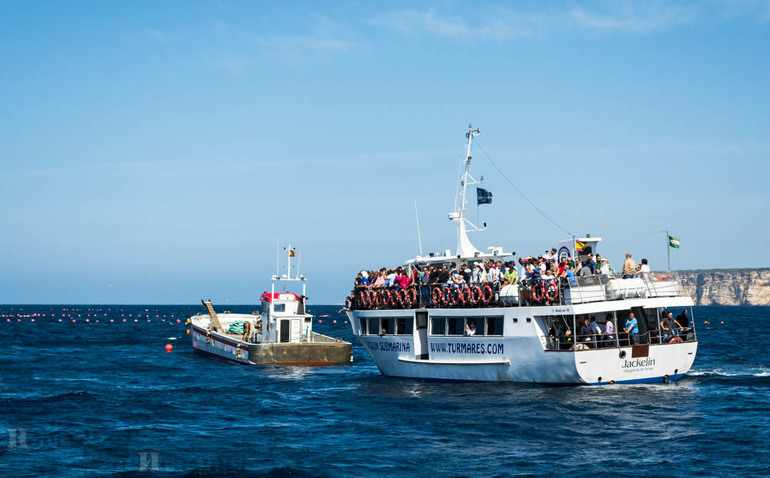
(668, 251)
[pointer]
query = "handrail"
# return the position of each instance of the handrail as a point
(560, 291)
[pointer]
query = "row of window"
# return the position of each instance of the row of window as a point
(446, 326)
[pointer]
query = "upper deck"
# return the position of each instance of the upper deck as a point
(565, 291)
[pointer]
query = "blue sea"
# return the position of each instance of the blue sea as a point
(101, 396)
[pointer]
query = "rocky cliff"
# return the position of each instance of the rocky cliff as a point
(728, 286)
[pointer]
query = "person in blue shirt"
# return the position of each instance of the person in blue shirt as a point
(632, 329)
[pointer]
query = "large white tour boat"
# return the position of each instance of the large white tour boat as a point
(569, 330)
(281, 334)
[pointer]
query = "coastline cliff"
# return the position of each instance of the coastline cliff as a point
(727, 286)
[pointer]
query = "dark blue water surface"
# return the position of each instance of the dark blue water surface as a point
(105, 399)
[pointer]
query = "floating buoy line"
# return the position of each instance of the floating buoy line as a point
(97, 316)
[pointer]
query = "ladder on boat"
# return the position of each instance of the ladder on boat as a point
(214, 319)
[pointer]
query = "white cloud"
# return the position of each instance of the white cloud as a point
(504, 23)
(631, 17)
(499, 25)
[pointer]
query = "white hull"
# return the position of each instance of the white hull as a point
(221, 345)
(521, 354)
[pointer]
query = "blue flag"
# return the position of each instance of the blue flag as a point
(483, 196)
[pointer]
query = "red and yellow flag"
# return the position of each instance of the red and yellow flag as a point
(580, 246)
(291, 253)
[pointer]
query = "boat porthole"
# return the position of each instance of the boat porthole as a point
(622, 354)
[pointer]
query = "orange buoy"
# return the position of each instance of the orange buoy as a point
(169, 348)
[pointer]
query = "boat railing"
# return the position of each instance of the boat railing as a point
(615, 340)
(563, 291)
(426, 296)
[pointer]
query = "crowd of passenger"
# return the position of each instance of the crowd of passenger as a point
(548, 267)
(452, 274)
(534, 270)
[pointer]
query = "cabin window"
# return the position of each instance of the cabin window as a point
(404, 326)
(374, 326)
(494, 326)
(387, 326)
(455, 325)
(279, 307)
(363, 323)
(438, 326)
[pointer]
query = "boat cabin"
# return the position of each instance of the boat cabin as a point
(284, 319)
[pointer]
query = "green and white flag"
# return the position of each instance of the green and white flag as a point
(673, 242)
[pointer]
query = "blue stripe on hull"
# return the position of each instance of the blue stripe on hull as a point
(671, 378)
(658, 380)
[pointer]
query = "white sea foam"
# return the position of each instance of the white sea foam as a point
(720, 372)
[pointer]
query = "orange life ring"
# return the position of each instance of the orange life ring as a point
(411, 296)
(486, 298)
(466, 294)
(402, 297)
(476, 295)
(438, 296)
(386, 297)
(447, 293)
(362, 299)
(375, 298)
(551, 291)
(538, 292)
(457, 296)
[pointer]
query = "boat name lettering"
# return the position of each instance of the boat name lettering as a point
(639, 363)
(467, 348)
(390, 346)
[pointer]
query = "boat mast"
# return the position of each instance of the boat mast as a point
(464, 246)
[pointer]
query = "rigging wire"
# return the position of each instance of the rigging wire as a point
(519, 191)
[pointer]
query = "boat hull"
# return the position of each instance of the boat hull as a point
(521, 354)
(304, 353)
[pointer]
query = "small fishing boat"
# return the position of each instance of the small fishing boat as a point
(282, 333)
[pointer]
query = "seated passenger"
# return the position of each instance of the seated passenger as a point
(585, 332)
(470, 329)
(511, 276)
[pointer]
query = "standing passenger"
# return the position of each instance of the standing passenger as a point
(632, 329)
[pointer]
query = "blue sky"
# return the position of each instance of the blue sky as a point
(152, 152)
